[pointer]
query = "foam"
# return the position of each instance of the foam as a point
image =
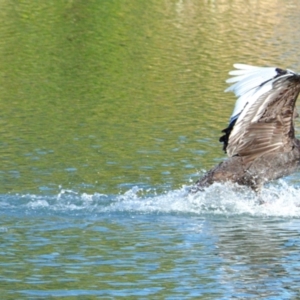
(280, 199)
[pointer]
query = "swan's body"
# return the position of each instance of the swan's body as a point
(260, 139)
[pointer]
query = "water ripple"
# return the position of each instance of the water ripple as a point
(219, 199)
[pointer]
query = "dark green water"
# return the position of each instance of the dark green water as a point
(108, 108)
(98, 95)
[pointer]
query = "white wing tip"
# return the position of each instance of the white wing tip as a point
(244, 66)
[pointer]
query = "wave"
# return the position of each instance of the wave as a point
(281, 199)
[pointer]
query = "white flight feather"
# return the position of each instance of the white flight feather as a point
(250, 83)
(247, 85)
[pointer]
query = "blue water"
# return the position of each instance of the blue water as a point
(219, 244)
(120, 103)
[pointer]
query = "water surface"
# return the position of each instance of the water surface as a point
(109, 111)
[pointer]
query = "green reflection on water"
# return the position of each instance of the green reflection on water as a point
(99, 94)
(92, 257)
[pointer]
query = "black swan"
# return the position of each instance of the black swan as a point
(260, 139)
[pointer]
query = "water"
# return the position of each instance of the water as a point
(109, 111)
(215, 245)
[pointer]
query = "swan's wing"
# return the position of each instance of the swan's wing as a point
(262, 120)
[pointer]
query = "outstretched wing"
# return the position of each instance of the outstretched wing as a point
(262, 120)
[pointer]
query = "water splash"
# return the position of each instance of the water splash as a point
(222, 199)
